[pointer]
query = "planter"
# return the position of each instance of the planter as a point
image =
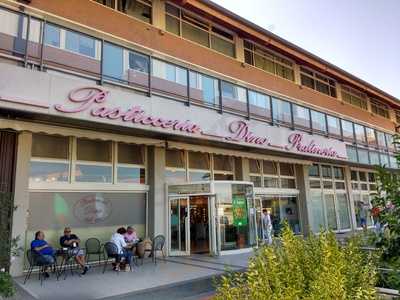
(388, 293)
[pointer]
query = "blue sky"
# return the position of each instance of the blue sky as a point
(359, 36)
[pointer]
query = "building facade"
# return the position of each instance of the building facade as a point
(181, 119)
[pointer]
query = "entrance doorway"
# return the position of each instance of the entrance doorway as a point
(189, 225)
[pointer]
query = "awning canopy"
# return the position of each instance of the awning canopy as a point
(222, 151)
(76, 132)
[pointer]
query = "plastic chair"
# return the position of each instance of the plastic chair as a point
(157, 245)
(93, 246)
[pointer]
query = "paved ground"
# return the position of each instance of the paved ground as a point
(189, 278)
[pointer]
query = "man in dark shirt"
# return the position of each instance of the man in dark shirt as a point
(71, 241)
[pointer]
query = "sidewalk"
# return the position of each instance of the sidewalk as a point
(176, 278)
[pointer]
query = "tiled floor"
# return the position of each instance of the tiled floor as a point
(95, 285)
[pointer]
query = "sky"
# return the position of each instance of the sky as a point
(360, 36)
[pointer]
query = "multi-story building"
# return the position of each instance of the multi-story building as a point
(182, 119)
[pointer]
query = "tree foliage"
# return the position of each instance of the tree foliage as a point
(317, 267)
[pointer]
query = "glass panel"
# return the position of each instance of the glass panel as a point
(79, 43)
(381, 139)
(328, 185)
(343, 211)
(172, 25)
(286, 169)
(90, 214)
(315, 184)
(169, 73)
(271, 182)
(348, 131)
(260, 104)
(316, 211)
(326, 171)
(48, 171)
(363, 156)
(287, 183)
(138, 62)
(307, 81)
(281, 111)
(333, 125)
(204, 88)
(354, 175)
(393, 162)
(175, 176)
(371, 138)
(301, 116)
(199, 161)
(360, 133)
(340, 185)
(313, 171)
(384, 159)
(288, 211)
(93, 173)
(52, 35)
(178, 217)
(330, 211)
(233, 96)
(199, 176)
(195, 34)
(270, 167)
(374, 158)
(136, 9)
(223, 163)
(255, 166)
(362, 176)
(338, 173)
(351, 153)
(223, 46)
(318, 121)
(50, 146)
(93, 150)
(113, 62)
(130, 154)
(175, 158)
(389, 141)
(131, 175)
(256, 180)
(233, 214)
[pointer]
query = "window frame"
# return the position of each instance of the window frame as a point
(380, 109)
(312, 74)
(354, 94)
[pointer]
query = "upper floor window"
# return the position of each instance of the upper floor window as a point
(354, 97)
(260, 104)
(140, 9)
(268, 61)
(198, 30)
(318, 82)
(380, 109)
(281, 111)
(109, 3)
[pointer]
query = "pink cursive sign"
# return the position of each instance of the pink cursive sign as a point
(85, 99)
(296, 142)
(93, 100)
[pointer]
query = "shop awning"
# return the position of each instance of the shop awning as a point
(222, 151)
(76, 132)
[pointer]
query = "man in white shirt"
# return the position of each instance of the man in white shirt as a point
(266, 226)
(118, 239)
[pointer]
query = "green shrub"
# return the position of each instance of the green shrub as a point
(6, 286)
(313, 268)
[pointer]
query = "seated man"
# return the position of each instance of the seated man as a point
(71, 241)
(118, 239)
(130, 236)
(44, 250)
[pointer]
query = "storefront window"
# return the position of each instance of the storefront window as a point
(363, 157)
(234, 214)
(384, 158)
(301, 116)
(199, 166)
(318, 121)
(281, 111)
(204, 88)
(374, 158)
(351, 153)
(328, 205)
(93, 161)
(364, 187)
(255, 172)
(50, 158)
(233, 97)
(223, 167)
(131, 164)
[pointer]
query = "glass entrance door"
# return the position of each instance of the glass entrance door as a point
(179, 242)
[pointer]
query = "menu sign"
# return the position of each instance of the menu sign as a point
(239, 208)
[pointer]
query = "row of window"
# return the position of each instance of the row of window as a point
(186, 166)
(192, 27)
(269, 174)
(368, 157)
(133, 68)
(65, 159)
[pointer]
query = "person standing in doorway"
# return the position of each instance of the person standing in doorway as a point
(266, 227)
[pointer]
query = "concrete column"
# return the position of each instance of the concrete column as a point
(245, 169)
(157, 201)
(339, 91)
(303, 184)
(239, 48)
(158, 14)
(21, 199)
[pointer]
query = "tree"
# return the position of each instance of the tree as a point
(316, 267)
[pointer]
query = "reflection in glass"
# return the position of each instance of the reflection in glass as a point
(93, 173)
(49, 172)
(330, 211)
(131, 175)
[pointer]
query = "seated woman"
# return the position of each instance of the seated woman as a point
(71, 241)
(122, 246)
(130, 236)
(44, 250)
